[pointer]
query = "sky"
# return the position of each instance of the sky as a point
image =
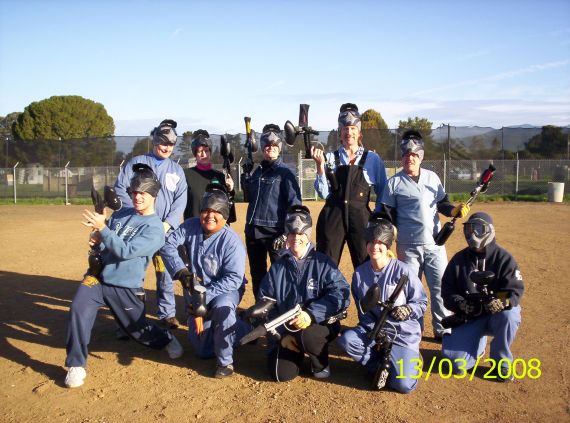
(207, 64)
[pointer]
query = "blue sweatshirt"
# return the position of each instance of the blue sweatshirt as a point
(129, 241)
(218, 261)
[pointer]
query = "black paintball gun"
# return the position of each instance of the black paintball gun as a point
(292, 131)
(228, 156)
(109, 199)
(189, 281)
(476, 301)
(251, 146)
(445, 232)
(378, 334)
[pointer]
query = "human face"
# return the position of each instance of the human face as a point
(378, 253)
(143, 203)
(203, 155)
(411, 164)
(350, 136)
(163, 151)
(211, 221)
(297, 243)
(271, 152)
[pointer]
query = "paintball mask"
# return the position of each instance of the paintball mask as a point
(164, 133)
(271, 135)
(144, 180)
(216, 198)
(298, 221)
(479, 231)
(200, 137)
(349, 116)
(379, 229)
(412, 142)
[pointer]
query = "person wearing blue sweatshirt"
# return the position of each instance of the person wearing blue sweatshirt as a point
(217, 262)
(127, 242)
(170, 205)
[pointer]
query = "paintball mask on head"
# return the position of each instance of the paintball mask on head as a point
(200, 137)
(379, 229)
(164, 133)
(271, 135)
(298, 221)
(479, 231)
(216, 198)
(349, 116)
(412, 142)
(144, 180)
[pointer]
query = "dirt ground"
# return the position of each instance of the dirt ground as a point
(43, 256)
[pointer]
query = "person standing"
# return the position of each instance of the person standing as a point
(128, 241)
(201, 175)
(272, 189)
(170, 205)
(413, 198)
(344, 180)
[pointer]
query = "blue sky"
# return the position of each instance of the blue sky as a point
(207, 64)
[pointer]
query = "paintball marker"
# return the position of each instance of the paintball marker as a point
(228, 156)
(269, 327)
(304, 129)
(378, 334)
(110, 199)
(251, 146)
(445, 232)
(477, 300)
(196, 291)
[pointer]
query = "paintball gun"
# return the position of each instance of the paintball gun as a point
(271, 326)
(228, 156)
(110, 199)
(477, 300)
(378, 333)
(196, 291)
(251, 146)
(445, 232)
(304, 129)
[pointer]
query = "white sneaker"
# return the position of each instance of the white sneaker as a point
(75, 377)
(174, 348)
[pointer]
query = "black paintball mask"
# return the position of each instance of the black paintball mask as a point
(144, 180)
(379, 228)
(298, 221)
(164, 133)
(412, 142)
(479, 231)
(216, 198)
(349, 116)
(271, 135)
(200, 138)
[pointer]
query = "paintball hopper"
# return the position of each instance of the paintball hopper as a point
(482, 278)
(370, 299)
(250, 141)
(110, 199)
(291, 131)
(226, 150)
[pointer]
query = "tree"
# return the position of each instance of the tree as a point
(142, 146)
(63, 117)
(551, 143)
(6, 137)
(375, 133)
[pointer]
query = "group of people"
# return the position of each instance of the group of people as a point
(166, 208)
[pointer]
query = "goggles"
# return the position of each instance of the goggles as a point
(478, 229)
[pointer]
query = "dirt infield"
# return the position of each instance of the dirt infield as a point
(43, 256)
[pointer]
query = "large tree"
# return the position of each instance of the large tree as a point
(376, 135)
(551, 143)
(63, 117)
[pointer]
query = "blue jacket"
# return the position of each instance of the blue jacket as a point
(320, 288)
(408, 332)
(218, 261)
(273, 189)
(171, 199)
(129, 241)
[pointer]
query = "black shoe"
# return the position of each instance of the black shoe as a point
(224, 371)
(121, 335)
(500, 376)
(170, 322)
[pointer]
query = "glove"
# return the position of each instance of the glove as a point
(289, 342)
(401, 313)
(494, 306)
(303, 321)
(460, 210)
(279, 242)
(466, 307)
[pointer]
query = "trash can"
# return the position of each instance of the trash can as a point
(555, 192)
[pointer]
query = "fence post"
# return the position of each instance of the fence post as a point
(444, 173)
(66, 192)
(517, 177)
(15, 181)
(239, 174)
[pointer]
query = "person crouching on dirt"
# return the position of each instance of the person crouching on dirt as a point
(217, 258)
(304, 276)
(346, 187)
(498, 315)
(128, 241)
(404, 324)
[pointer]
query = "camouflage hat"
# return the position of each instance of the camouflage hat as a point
(164, 133)
(349, 116)
(216, 198)
(412, 142)
(200, 138)
(144, 180)
(298, 220)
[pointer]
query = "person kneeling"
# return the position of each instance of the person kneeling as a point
(397, 349)
(305, 277)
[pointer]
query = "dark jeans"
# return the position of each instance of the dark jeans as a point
(257, 251)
